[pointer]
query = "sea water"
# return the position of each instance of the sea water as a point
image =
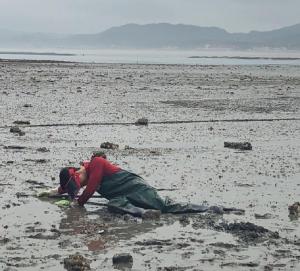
(161, 56)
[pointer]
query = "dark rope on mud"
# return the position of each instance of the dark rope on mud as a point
(151, 122)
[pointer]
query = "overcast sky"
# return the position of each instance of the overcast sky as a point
(92, 16)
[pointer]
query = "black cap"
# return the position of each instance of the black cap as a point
(64, 177)
(67, 182)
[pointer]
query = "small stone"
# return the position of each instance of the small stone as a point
(42, 149)
(123, 258)
(76, 262)
(294, 209)
(22, 122)
(15, 147)
(264, 216)
(142, 121)
(128, 148)
(238, 145)
(15, 130)
(108, 145)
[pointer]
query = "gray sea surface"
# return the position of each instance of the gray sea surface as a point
(159, 56)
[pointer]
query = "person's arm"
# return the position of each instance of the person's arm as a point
(96, 169)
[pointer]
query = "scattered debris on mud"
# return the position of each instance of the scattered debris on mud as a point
(248, 231)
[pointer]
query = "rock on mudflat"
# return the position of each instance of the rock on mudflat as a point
(16, 130)
(15, 147)
(264, 216)
(76, 262)
(22, 122)
(142, 121)
(27, 105)
(294, 209)
(123, 258)
(108, 145)
(42, 149)
(238, 145)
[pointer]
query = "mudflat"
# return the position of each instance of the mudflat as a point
(56, 114)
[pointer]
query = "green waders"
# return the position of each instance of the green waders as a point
(129, 193)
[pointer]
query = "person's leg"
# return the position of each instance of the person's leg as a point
(122, 205)
(141, 195)
(133, 188)
(182, 208)
(147, 198)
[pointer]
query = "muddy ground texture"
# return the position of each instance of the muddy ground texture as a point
(187, 161)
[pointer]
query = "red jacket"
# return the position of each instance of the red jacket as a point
(96, 169)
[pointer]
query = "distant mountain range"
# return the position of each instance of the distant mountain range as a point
(161, 35)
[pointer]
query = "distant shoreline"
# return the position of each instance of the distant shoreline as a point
(36, 53)
(248, 57)
(41, 61)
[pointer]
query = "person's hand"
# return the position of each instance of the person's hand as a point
(74, 204)
(42, 194)
(47, 193)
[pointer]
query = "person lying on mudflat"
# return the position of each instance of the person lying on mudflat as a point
(127, 192)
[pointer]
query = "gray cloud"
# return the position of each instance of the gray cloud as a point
(91, 16)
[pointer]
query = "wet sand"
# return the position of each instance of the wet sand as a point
(181, 151)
